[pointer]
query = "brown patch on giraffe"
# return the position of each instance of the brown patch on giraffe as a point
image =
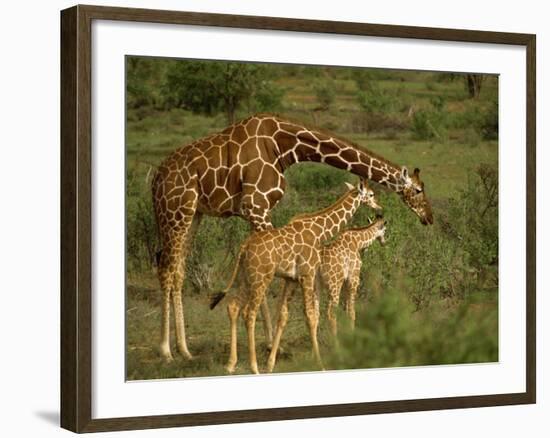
(268, 127)
(303, 151)
(377, 164)
(249, 151)
(239, 134)
(252, 126)
(208, 181)
(232, 152)
(217, 197)
(214, 157)
(308, 137)
(336, 161)
(200, 163)
(359, 168)
(328, 148)
(233, 176)
(285, 141)
(268, 149)
(377, 174)
(268, 179)
(221, 177)
(350, 155)
(293, 129)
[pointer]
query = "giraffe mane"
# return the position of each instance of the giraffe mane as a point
(366, 227)
(328, 133)
(312, 214)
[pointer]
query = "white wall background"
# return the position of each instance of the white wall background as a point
(29, 214)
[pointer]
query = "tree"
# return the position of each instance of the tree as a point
(473, 84)
(210, 87)
(471, 81)
(143, 78)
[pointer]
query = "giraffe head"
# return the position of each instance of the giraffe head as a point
(380, 229)
(366, 194)
(414, 196)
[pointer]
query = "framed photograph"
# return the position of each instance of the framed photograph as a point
(268, 218)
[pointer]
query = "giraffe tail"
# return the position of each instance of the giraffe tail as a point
(217, 297)
(318, 281)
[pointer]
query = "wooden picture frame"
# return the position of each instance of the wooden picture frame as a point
(76, 218)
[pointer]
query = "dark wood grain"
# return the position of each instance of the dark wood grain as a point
(298, 25)
(531, 216)
(69, 311)
(76, 222)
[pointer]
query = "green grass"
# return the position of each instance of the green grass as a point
(389, 334)
(422, 300)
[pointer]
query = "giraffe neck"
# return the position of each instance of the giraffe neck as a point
(297, 143)
(334, 218)
(362, 238)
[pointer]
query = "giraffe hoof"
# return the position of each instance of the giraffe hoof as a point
(185, 353)
(166, 355)
(280, 350)
(230, 369)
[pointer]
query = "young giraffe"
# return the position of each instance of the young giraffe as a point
(239, 172)
(341, 265)
(293, 253)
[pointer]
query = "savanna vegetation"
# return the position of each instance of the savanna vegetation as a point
(430, 296)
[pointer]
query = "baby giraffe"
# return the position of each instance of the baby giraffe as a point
(341, 265)
(293, 253)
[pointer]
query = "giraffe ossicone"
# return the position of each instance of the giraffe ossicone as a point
(240, 172)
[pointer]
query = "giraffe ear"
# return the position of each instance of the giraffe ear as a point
(348, 185)
(404, 172)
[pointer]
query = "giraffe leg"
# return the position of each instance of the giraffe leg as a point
(171, 272)
(233, 309)
(350, 304)
(334, 298)
(268, 328)
(178, 285)
(167, 272)
(281, 323)
(311, 308)
(165, 327)
(250, 312)
(250, 328)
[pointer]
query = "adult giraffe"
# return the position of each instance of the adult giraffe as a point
(239, 172)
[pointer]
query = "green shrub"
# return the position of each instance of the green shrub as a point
(268, 98)
(210, 87)
(471, 137)
(143, 77)
(389, 333)
(375, 100)
(489, 124)
(477, 204)
(428, 125)
(141, 234)
(325, 92)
